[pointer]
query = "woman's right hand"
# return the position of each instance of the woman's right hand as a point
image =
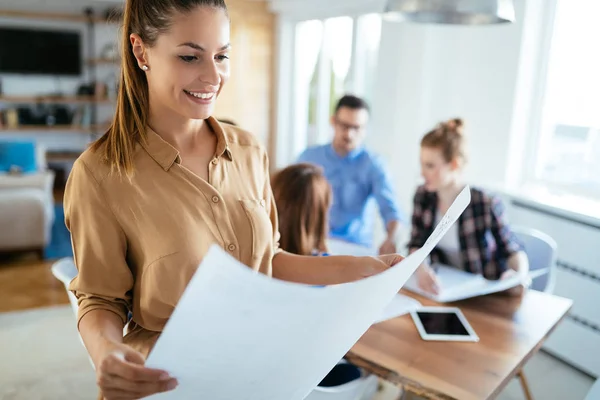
(121, 375)
(427, 279)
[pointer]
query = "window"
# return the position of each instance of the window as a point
(332, 57)
(568, 151)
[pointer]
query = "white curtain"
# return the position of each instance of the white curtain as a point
(309, 38)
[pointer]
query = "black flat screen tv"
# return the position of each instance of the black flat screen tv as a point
(40, 52)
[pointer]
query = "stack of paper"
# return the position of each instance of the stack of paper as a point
(237, 334)
(458, 285)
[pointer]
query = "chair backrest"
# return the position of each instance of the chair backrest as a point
(594, 393)
(541, 252)
(359, 389)
(64, 270)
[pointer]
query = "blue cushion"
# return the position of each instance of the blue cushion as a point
(20, 154)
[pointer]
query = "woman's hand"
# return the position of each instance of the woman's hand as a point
(390, 259)
(121, 375)
(517, 290)
(427, 279)
(368, 266)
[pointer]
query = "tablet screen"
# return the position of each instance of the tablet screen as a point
(442, 323)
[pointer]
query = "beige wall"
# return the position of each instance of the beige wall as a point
(247, 99)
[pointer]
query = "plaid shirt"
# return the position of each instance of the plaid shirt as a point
(486, 240)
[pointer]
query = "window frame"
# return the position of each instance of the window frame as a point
(535, 139)
(287, 143)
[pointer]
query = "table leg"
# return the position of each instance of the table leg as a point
(525, 385)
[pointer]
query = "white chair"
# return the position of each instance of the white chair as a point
(594, 393)
(363, 388)
(541, 252)
(64, 270)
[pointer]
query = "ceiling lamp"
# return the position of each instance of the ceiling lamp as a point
(456, 12)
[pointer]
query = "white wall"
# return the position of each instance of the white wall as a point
(428, 73)
(576, 276)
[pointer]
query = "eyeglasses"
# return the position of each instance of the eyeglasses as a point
(348, 127)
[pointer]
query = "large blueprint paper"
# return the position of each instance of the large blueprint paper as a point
(399, 305)
(237, 334)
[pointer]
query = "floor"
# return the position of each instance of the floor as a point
(548, 377)
(27, 281)
(28, 284)
(49, 366)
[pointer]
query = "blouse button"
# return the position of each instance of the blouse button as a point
(231, 247)
(215, 161)
(215, 199)
(262, 203)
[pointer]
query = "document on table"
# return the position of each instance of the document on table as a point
(459, 285)
(237, 334)
(342, 248)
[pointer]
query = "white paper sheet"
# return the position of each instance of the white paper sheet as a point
(459, 285)
(399, 305)
(237, 334)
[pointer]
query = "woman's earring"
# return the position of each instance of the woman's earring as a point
(145, 67)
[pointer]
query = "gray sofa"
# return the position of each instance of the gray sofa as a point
(26, 209)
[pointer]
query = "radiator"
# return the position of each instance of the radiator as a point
(577, 339)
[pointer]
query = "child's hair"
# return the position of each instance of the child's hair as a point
(303, 197)
(449, 138)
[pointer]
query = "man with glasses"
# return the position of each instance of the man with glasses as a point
(356, 176)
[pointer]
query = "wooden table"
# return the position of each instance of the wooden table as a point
(511, 330)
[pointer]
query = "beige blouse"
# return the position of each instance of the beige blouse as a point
(137, 243)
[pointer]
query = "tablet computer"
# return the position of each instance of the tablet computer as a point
(443, 323)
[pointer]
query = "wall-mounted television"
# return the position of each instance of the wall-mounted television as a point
(40, 52)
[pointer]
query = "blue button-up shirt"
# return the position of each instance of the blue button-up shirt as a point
(356, 180)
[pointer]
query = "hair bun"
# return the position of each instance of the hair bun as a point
(455, 125)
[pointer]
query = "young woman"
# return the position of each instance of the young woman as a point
(481, 241)
(164, 183)
(302, 197)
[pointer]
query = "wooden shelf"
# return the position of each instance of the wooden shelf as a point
(55, 128)
(62, 156)
(110, 21)
(103, 61)
(54, 16)
(42, 15)
(54, 99)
